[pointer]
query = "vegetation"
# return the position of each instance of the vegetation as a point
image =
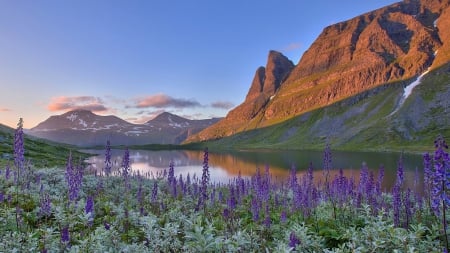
(49, 210)
(39, 152)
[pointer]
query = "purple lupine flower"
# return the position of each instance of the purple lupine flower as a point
(18, 145)
(182, 184)
(363, 178)
(255, 209)
(220, 197)
(441, 177)
(174, 187)
(154, 191)
(106, 225)
(293, 183)
(267, 220)
(89, 208)
(45, 206)
(7, 172)
(2, 197)
(205, 180)
(294, 240)
(370, 186)
(396, 203)
(397, 194)
(427, 172)
(108, 164)
(126, 165)
(283, 216)
(379, 181)
(171, 175)
(231, 202)
(74, 178)
(400, 173)
(188, 179)
(226, 213)
(327, 165)
(65, 236)
(409, 208)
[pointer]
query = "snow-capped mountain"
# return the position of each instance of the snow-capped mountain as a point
(84, 128)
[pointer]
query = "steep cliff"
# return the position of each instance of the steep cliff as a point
(394, 44)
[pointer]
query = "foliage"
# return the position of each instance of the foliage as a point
(52, 210)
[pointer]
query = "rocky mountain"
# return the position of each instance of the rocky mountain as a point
(380, 119)
(388, 47)
(84, 128)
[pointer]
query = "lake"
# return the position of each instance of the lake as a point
(227, 165)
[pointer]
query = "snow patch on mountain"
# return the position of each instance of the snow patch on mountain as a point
(72, 117)
(408, 90)
(82, 122)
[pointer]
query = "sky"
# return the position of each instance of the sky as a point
(136, 59)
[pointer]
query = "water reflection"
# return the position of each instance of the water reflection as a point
(227, 165)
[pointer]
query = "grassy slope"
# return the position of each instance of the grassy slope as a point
(42, 153)
(362, 122)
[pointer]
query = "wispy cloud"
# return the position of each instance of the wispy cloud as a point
(64, 103)
(164, 101)
(222, 105)
(292, 47)
(4, 109)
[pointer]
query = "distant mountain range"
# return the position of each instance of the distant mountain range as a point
(355, 85)
(84, 128)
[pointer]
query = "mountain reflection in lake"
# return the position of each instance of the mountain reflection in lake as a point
(227, 165)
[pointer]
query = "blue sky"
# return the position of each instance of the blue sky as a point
(136, 59)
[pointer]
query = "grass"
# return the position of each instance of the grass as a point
(41, 153)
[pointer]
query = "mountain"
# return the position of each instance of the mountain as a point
(384, 49)
(84, 128)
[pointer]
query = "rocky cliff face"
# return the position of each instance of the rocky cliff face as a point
(266, 83)
(394, 43)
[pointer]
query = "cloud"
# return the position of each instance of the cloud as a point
(292, 47)
(4, 109)
(64, 103)
(222, 105)
(163, 101)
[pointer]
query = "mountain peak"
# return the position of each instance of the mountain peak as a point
(268, 79)
(167, 117)
(382, 47)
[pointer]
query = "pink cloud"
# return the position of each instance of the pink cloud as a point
(4, 110)
(64, 103)
(222, 105)
(162, 101)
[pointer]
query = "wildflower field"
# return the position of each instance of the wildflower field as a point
(74, 210)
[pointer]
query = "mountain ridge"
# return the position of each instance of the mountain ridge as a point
(389, 45)
(84, 128)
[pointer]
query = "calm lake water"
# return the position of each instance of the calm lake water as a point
(227, 165)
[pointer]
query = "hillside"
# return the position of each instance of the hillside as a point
(374, 120)
(382, 50)
(41, 153)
